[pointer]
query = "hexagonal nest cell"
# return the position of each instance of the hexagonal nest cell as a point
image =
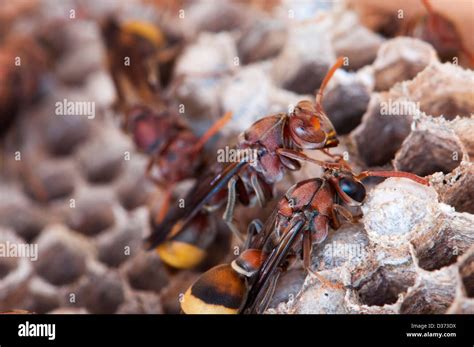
(384, 286)
(466, 270)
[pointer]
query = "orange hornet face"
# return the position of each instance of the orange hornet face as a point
(310, 128)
